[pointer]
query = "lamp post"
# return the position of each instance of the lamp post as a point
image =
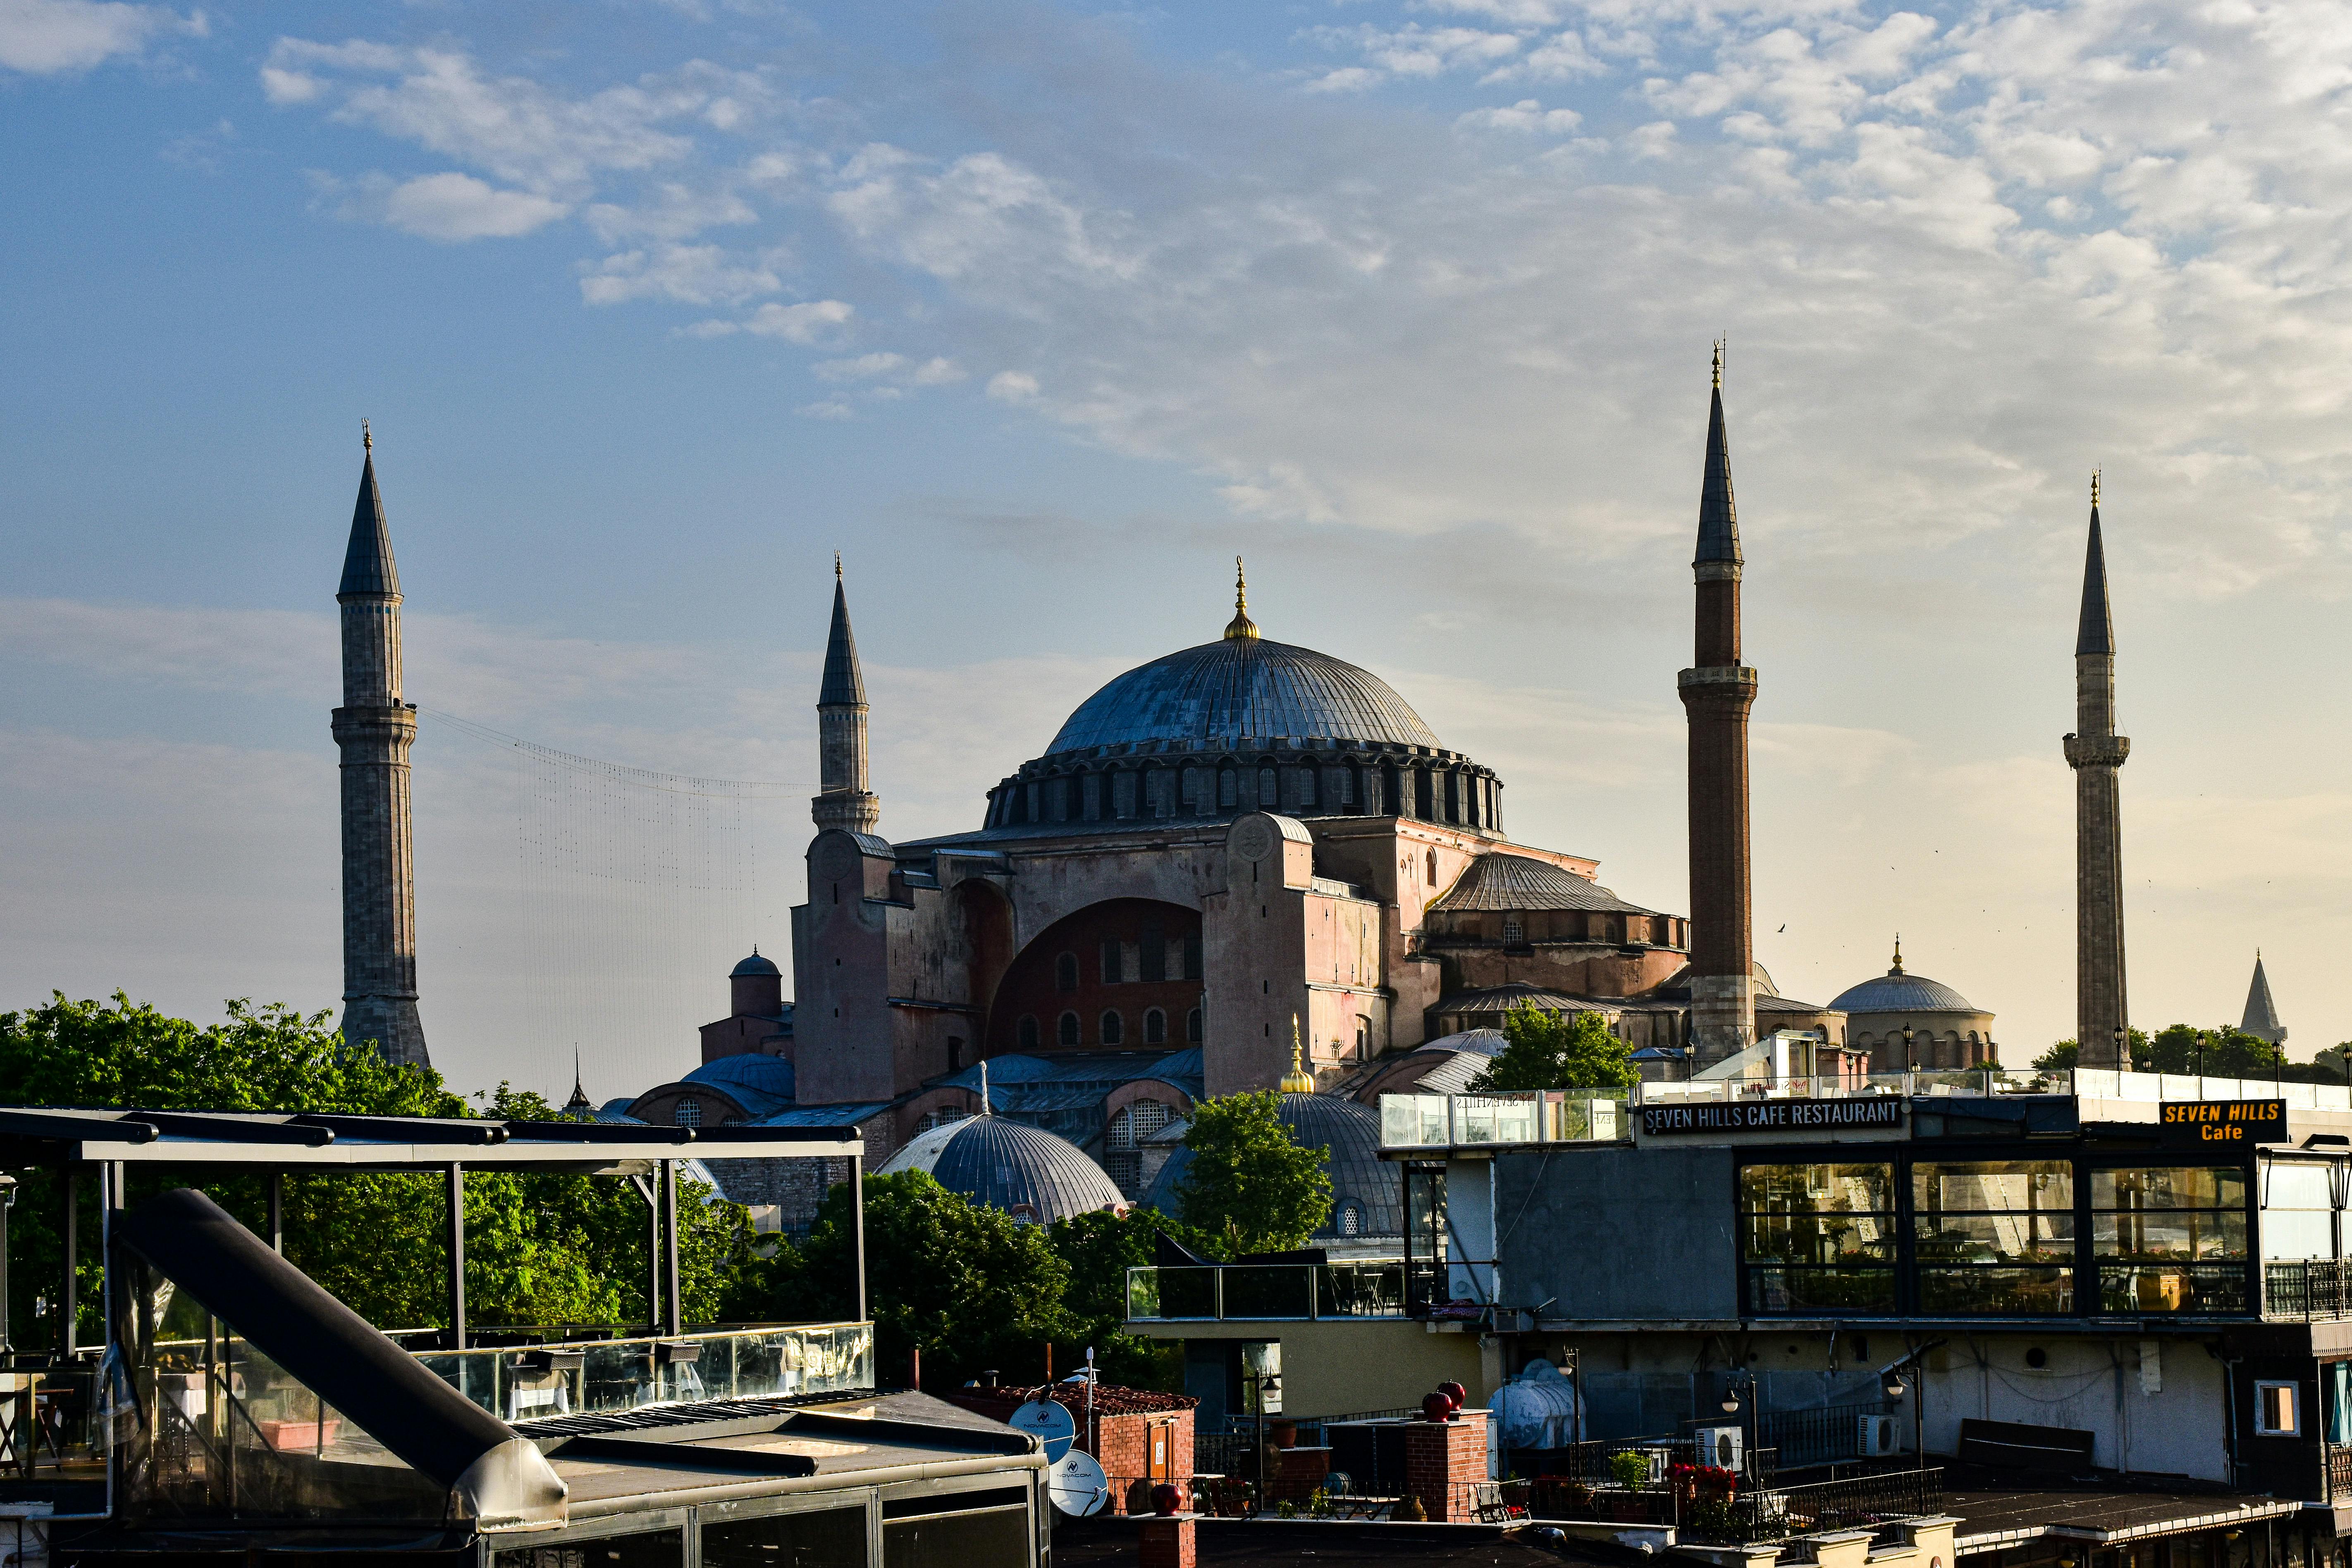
(1268, 1382)
(1731, 1402)
(1910, 1061)
(1893, 1389)
(2122, 1048)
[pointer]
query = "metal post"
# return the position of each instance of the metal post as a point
(455, 1216)
(278, 1212)
(673, 1303)
(653, 1258)
(68, 1338)
(7, 1202)
(857, 1225)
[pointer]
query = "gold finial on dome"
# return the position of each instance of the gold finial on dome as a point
(2094, 487)
(1718, 362)
(1898, 955)
(1241, 628)
(1298, 1080)
(367, 439)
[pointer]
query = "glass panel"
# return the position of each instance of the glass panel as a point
(2172, 1290)
(1142, 1294)
(1843, 1189)
(1818, 1238)
(2001, 1290)
(2161, 1234)
(2169, 1187)
(1777, 1290)
(1994, 1237)
(2291, 1184)
(997, 1538)
(1996, 1187)
(1360, 1290)
(653, 1549)
(1267, 1290)
(2298, 1233)
(1187, 1293)
(826, 1538)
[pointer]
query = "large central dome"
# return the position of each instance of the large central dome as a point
(1242, 689)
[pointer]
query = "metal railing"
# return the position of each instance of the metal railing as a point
(2339, 1473)
(1267, 1291)
(1777, 1512)
(1534, 1116)
(2309, 1289)
(1800, 1438)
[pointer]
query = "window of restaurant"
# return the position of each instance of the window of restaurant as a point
(819, 1538)
(2298, 1210)
(1994, 1236)
(2170, 1238)
(1818, 1236)
(649, 1549)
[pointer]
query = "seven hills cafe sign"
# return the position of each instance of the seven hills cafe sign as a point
(2203, 1123)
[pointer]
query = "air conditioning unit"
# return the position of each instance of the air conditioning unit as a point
(1878, 1438)
(1725, 1448)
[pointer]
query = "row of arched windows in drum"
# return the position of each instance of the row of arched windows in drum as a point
(1110, 1029)
(1464, 795)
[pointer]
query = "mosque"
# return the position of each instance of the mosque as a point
(1245, 865)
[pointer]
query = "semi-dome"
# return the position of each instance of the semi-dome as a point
(759, 1082)
(1025, 1171)
(1238, 691)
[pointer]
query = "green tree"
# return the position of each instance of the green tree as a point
(967, 1285)
(2062, 1055)
(541, 1248)
(1558, 1050)
(1099, 1247)
(1248, 1183)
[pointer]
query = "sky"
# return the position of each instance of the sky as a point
(1040, 314)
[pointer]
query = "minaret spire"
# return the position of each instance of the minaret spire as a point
(1717, 694)
(844, 801)
(374, 729)
(2262, 1019)
(2096, 753)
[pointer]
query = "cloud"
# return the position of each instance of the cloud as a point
(803, 324)
(44, 38)
(1525, 116)
(691, 274)
(1012, 386)
(453, 207)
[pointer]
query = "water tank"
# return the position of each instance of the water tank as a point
(1538, 1409)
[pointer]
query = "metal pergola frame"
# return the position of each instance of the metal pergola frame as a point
(112, 1141)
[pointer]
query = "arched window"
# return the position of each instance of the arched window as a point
(1113, 972)
(1193, 1026)
(1269, 787)
(1066, 972)
(1114, 1028)
(1363, 1040)
(1027, 1033)
(688, 1112)
(1228, 792)
(1514, 933)
(1432, 867)
(1155, 1028)
(1067, 1031)
(1348, 1217)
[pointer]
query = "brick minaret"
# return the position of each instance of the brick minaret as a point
(845, 802)
(2095, 752)
(1717, 694)
(374, 729)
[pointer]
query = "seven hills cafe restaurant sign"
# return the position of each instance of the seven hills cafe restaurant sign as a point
(2203, 1123)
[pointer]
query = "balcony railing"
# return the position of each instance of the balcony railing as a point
(1269, 1291)
(1456, 1120)
(2308, 1291)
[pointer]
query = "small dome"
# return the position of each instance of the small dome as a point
(1242, 689)
(752, 965)
(1025, 1171)
(1523, 882)
(1895, 991)
(1350, 1136)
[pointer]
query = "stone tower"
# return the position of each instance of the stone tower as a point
(844, 801)
(2262, 1019)
(2095, 752)
(374, 729)
(1716, 695)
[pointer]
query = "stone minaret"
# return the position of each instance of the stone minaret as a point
(845, 802)
(2095, 752)
(1716, 695)
(374, 729)
(2262, 1019)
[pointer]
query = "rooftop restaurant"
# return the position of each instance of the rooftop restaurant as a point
(233, 1406)
(2136, 1281)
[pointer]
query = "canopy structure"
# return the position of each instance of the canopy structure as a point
(319, 1143)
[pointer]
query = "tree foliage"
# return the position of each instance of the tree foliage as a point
(541, 1248)
(1558, 1050)
(1248, 1183)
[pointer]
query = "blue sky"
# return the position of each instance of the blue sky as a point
(1040, 314)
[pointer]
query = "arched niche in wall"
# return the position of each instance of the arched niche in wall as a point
(1157, 965)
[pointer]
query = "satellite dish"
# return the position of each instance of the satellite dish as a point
(1077, 1485)
(1049, 1422)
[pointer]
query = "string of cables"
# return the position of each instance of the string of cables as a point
(636, 890)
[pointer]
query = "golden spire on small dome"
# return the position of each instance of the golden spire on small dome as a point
(1241, 628)
(1298, 1080)
(1898, 955)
